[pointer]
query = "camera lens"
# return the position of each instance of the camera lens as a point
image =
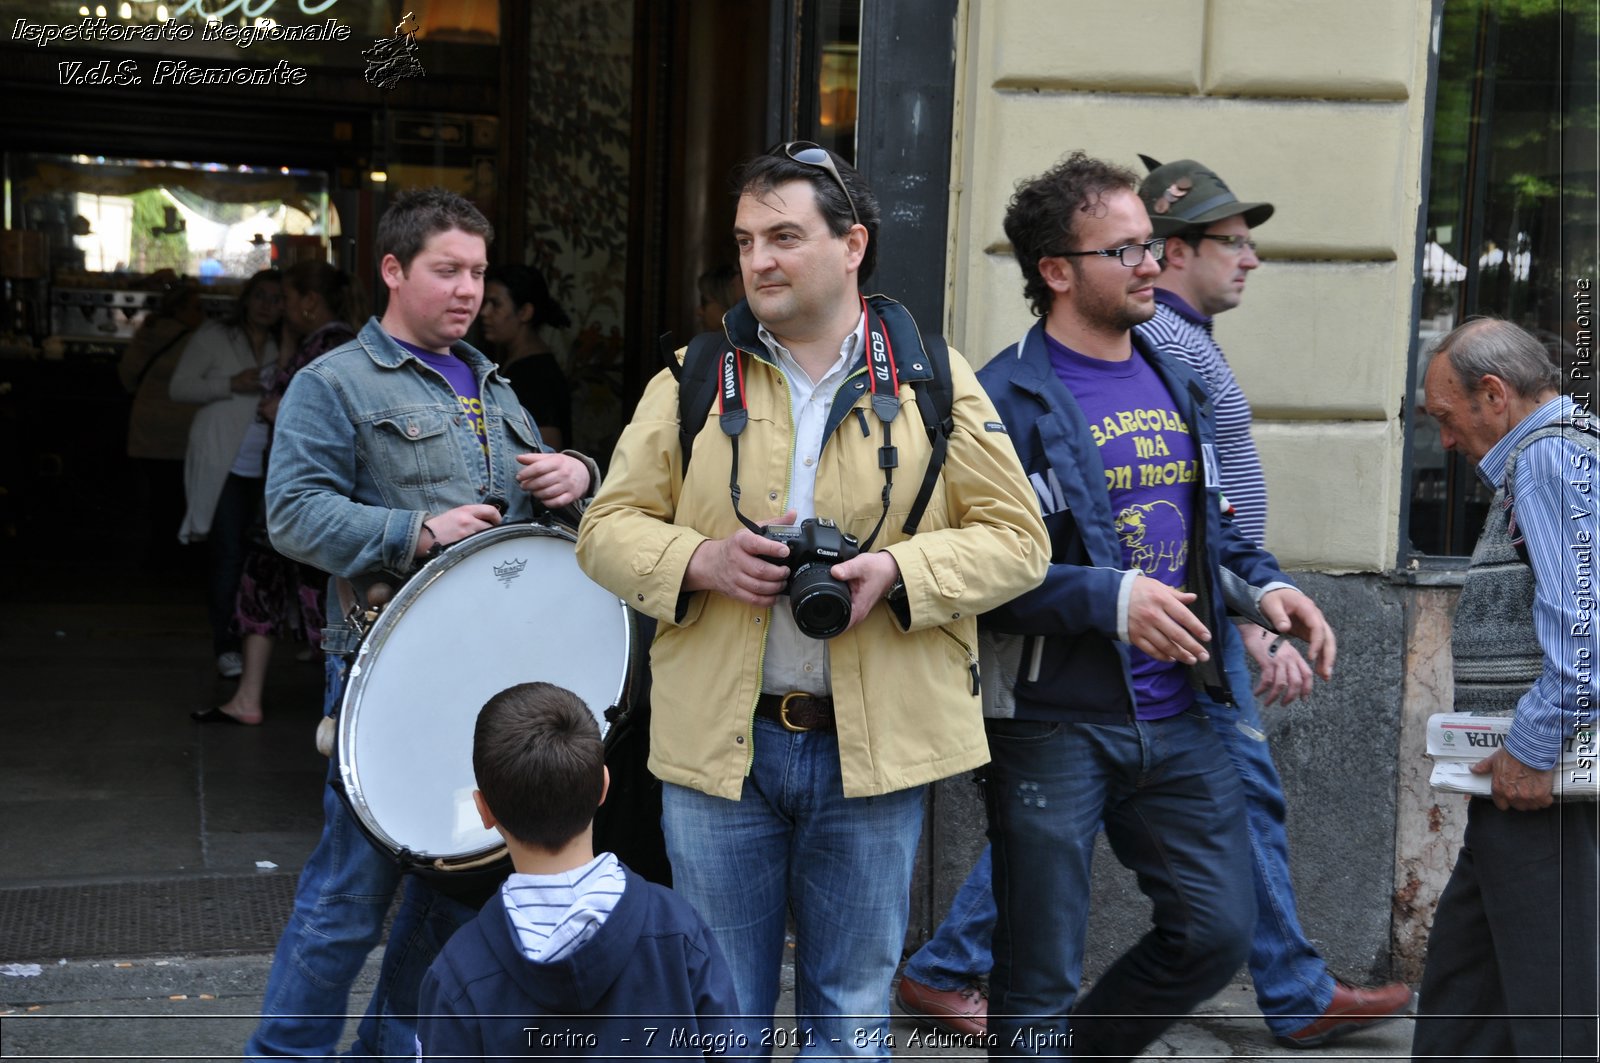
(821, 603)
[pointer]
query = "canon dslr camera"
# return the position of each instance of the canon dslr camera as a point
(821, 603)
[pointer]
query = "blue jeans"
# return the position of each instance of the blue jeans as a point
(1173, 811)
(1291, 978)
(794, 843)
(958, 953)
(339, 906)
(1293, 986)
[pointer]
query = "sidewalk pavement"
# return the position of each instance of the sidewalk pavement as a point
(203, 1008)
(130, 832)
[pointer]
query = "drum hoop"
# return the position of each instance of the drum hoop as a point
(372, 643)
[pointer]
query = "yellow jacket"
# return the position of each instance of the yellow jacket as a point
(905, 701)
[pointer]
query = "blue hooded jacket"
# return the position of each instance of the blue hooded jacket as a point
(1054, 653)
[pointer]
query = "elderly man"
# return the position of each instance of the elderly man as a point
(794, 755)
(1511, 961)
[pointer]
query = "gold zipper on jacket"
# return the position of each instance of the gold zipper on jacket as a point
(972, 659)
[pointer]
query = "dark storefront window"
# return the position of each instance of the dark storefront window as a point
(1510, 216)
(832, 53)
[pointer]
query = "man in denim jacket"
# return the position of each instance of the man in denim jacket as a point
(385, 449)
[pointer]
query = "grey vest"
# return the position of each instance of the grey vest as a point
(1492, 641)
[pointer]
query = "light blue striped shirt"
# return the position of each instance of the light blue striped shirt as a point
(1555, 509)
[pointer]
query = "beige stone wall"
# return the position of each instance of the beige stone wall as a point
(1315, 106)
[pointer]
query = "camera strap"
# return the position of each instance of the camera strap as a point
(883, 380)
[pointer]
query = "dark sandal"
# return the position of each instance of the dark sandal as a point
(217, 716)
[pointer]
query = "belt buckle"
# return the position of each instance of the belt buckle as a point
(783, 712)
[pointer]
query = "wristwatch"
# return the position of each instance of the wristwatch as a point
(897, 591)
(437, 548)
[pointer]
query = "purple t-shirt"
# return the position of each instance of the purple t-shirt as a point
(1149, 458)
(464, 384)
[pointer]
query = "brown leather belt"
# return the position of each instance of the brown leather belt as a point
(797, 712)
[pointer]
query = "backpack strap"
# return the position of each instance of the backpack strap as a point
(697, 387)
(935, 399)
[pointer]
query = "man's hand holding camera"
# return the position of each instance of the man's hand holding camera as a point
(752, 568)
(870, 576)
(736, 567)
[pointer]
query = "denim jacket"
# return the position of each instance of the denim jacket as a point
(369, 441)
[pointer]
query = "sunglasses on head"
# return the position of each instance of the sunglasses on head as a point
(808, 154)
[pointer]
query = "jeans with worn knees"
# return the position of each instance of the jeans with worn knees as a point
(343, 895)
(1173, 811)
(1292, 982)
(794, 842)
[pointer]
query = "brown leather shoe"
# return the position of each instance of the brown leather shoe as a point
(1353, 1008)
(964, 1011)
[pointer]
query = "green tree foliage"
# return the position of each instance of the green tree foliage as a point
(152, 251)
(1515, 134)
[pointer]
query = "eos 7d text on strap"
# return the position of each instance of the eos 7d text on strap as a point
(883, 380)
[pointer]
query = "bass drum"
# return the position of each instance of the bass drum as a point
(505, 606)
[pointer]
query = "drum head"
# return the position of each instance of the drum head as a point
(506, 606)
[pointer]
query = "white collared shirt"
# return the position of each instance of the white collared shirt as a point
(795, 662)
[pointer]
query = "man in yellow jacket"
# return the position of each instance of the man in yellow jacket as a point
(797, 720)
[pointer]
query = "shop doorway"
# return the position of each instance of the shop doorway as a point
(716, 81)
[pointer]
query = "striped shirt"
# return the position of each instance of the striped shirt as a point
(1556, 514)
(1180, 331)
(553, 915)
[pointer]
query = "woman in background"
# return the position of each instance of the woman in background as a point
(158, 427)
(516, 305)
(278, 596)
(223, 369)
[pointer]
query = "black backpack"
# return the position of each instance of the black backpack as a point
(697, 389)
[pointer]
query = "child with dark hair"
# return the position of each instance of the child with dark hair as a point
(577, 956)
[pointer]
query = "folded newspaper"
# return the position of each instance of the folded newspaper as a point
(1457, 741)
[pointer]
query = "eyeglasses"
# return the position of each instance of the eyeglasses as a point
(1236, 244)
(1129, 255)
(808, 154)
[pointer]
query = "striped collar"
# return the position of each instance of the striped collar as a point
(1175, 302)
(1492, 469)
